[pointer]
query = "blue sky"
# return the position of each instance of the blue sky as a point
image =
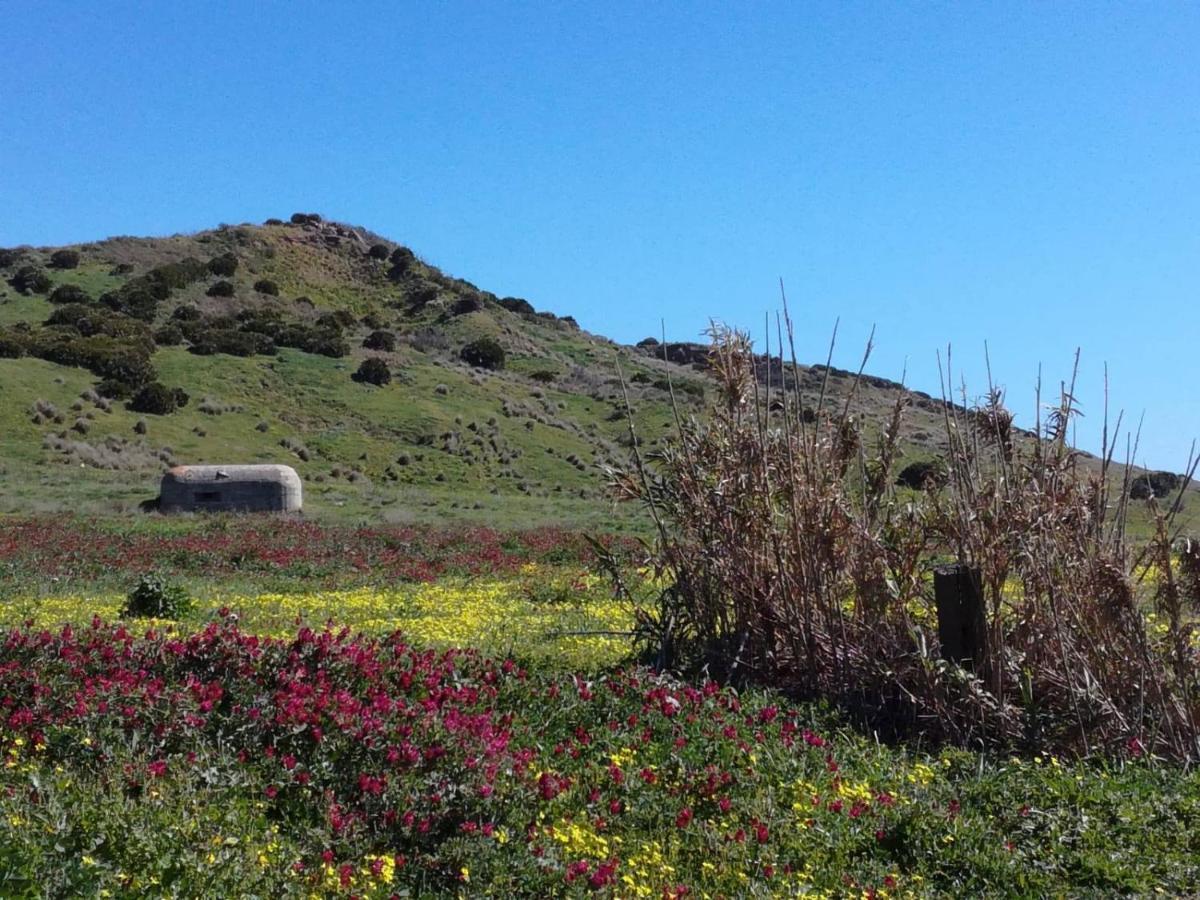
(1022, 174)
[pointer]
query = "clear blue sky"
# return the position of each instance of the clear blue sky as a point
(1024, 174)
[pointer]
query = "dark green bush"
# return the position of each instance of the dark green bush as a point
(313, 340)
(114, 389)
(156, 598)
(260, 321)
(380, 340)
(545, 376)
(273, 222)
(220, 289)
(168, 336)
(69, 293)
(640, 378)
(464, 305)
(175, 276)
(138, 297)
(64, 259)
(336, 320)
(223, 266)
(232, 342)
(30, 280)
(484, 353)
(266, 286)
(306, 219)
(373, 371)
(9, 258)
(517, 305)
(185, 313)
(91, 319)
(13, 344)
(157, 399)
(378, 251)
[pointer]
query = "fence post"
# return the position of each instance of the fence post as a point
(962, 625)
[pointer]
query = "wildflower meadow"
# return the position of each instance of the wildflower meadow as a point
(489, 734)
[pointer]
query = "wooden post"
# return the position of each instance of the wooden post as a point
(962, 625)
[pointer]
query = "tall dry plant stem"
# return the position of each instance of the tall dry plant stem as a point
(790, 557)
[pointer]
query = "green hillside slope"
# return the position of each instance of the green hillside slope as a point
(263, 328)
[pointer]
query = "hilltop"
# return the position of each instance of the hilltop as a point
(247, 343)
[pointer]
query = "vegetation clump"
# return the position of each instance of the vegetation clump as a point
(221, 289)
(157, 399)
(380, 340)
(266, 286)
(154, 597)
(223, 266)
(757, 592)
(373, 371)
(485, 353)
(30, 280)
(64, 259)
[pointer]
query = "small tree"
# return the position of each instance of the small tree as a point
(221, 289)
(485, 353)
(266, 286)
(380, 340)
(64, 259)
(373, 371)
(378, 251)
(30, 280)
(69, 293)
(157, 399)
(224, 265)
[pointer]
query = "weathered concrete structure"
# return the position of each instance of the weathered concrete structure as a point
(231, 489)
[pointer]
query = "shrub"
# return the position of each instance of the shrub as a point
(306, 219)
(336, 320)
(313, 340)
(177, 275)
(138, 298)
(380, 340)
(545, 376)
(30, 280)
(156, 598)
(1154, 484)
(168, 336)
(13, 344)
(9, 258)
(517, 305)
(64, 259)
(185, 313)
(232, 342)
(485, 353)
(373, 371)
(378, 251)
(464, 305)
(220, 289)
(69, 293)
(223, 266)
(266, 286)
(114, 389)
(922, 475)
(157, 399)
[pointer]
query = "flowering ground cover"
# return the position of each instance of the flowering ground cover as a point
(321, 735)
(41, 548)
(225, 763)
(538, 613)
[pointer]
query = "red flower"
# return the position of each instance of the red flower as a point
(684, 818)
(158, 768)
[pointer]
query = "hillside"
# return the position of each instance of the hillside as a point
(263, 328)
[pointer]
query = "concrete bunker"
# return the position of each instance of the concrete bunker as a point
(268, 488)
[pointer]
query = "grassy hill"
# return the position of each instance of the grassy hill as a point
(263, 327)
